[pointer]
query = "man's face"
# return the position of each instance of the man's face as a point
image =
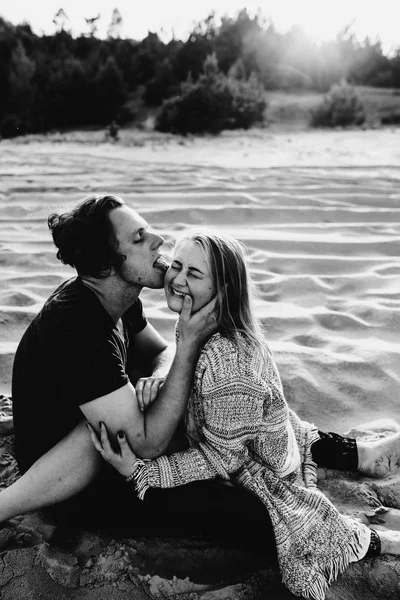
(144, 266)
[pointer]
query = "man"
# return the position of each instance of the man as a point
(80, 357)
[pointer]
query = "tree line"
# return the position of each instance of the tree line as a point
(59, 81)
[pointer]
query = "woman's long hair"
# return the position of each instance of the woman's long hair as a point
(234, 287)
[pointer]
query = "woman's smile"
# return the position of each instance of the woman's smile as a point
(176, 293)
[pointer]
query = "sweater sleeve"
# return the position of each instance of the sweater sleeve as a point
(232, 416)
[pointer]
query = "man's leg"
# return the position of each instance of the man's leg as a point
(372, 458)
(58, 475)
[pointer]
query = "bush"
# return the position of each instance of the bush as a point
(163, 85)
(340, 107)
(213, 103)
(110, 91)
(391, 118)
(11, 126)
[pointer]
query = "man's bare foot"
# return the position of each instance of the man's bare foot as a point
(380, 457)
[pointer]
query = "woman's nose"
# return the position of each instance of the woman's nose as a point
(180, 278)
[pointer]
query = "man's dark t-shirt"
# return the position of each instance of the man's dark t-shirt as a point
(71, 353)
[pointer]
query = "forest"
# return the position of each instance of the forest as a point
(54, 82)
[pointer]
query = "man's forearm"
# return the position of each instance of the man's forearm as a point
(158, 366)
(162, 362)
(163, 416)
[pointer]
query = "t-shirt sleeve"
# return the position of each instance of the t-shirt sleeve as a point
(134, 318)
(95, 362)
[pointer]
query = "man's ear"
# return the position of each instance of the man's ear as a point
(109, 272)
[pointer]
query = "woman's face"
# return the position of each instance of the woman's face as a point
(189, 273)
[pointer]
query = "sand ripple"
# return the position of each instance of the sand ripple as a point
(323, 244)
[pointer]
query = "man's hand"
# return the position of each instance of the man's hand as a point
(195, 328)
(147, 389)
(125, 462)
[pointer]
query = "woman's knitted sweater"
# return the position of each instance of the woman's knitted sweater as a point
(242, 430)
(237, 414)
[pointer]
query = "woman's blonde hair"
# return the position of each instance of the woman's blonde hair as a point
(234, 287)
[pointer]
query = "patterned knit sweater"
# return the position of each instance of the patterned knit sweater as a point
(235, 402)
(242, 430)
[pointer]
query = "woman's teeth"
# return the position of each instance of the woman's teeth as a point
(178, 294)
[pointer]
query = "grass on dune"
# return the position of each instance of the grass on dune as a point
(287, 112)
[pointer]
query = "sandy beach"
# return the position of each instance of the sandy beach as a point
(320, 215)
(318, 211)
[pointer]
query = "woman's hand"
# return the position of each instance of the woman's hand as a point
(196, 328)
(125, 462)
(147, 389)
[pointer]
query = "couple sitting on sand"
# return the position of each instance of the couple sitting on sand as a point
(102, 439)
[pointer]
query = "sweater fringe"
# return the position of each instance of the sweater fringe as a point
(338, 565)
(141, 481)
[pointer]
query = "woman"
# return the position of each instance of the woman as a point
(241, 430)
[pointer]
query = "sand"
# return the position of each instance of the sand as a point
(318, 211)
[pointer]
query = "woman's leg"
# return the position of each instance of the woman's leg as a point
(56, 476)
(372, 458)
(334, 451)
(388, 542)
(379, 458)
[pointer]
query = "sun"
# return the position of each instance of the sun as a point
(323, 21)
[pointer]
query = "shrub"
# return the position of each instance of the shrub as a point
(213, 103)
(11, 126)
(110, 91)
(340, 107)
(163, 85)
(392, 118)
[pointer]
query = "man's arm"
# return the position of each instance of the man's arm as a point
(152, 354)
(149, 433)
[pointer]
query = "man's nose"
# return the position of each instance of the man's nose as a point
(158, 240)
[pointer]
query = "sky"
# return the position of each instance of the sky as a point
(319, 18)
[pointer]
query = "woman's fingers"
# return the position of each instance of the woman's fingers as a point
(142, 392)
(94, 437)
(125, 460)
(139, 393)
(105, 442)
(186, 307)
(126, 450)
(156, 388)
(147, 389)
(147, 392)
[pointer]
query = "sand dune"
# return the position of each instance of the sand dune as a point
(321, 221)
